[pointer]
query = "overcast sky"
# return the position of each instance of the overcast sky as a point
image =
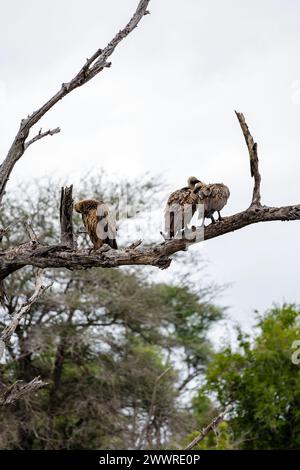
(167, 106)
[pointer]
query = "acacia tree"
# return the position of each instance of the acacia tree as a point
(65, 254)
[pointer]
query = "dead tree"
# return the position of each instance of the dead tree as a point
(65, 254)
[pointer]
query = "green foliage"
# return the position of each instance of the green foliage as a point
(262, 382)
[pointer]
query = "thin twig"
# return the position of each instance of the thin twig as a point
(41, 135)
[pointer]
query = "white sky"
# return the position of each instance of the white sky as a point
(166, 106)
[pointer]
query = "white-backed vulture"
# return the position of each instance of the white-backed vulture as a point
(213, 196)
(98, 222)
(180, 208)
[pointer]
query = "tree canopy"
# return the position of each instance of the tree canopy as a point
(261, 381)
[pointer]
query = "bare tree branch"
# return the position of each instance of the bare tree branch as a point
(19, 390)
(55, 256)
(90, 69)
(254, 167)
(17, 316)
(66, 223)
(212, 426)
(41, 135)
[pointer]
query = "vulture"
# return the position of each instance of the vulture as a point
(213, 196)
(180, 208)
(98, 222)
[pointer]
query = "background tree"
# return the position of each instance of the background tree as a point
(262, 382)
(117, 350)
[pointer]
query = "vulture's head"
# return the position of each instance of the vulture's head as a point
(85, 205)
(198, 187)
(192, 181)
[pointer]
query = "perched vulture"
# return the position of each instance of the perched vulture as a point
(180, 208)
(213, 196)
(98, 222)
